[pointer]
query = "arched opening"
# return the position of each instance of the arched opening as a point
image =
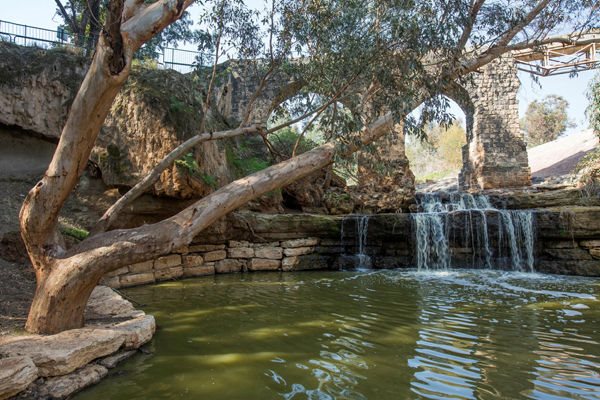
(437, 152)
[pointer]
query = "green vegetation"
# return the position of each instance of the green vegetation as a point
(74, 232)
(593, 110)
(440, 155)
(189, 164)
(546, 120)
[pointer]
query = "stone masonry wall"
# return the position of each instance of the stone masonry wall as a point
(230, 257)
(495, 155)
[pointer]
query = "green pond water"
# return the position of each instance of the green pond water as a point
(366, 335)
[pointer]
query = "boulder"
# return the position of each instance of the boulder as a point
(136, 332)
(62, 387)
(16, 373)
(105, 302)
(67, 351)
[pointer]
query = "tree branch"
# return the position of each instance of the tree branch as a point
(140, 188)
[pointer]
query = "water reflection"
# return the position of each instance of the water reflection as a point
(377, 335)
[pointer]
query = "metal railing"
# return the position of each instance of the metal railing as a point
(25, 35)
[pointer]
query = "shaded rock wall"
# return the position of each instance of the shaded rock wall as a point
(567, 242)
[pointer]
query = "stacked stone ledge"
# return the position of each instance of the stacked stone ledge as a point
(231, 257)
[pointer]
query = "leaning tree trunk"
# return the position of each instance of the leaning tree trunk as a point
(64, 282)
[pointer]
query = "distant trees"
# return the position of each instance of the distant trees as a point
(438, 156)
(546, 120)
(593, 110)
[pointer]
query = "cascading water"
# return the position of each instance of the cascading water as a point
(462, 222)
(362, 260)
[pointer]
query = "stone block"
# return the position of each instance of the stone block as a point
(240, 252)
(305, 262)
(182, 250)
(172, 260)
(272, 253)
(216, 255)
(263, 264)
(300, 243)
(112, 360)
(106, 303)
(298, 251)
(568, 254)
(589, 244)
(16, 373)
(136, 332)
(201, 270)
(136, 279)
(228, 266)
(62, 387)
(271, 244)
(192, 261)
(145, 266)
(595, 253)
(166, 274)
(118, 271)
(201, 248)
(67, 351)
(238, 243)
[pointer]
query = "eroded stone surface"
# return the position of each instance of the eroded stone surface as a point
(16, 373)
(105, 302)
(136, 332)
(112, 361)
(67, 351)
(61, 387)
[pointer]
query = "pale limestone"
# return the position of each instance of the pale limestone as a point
(168, 273)
(228, 266)
(111, 281)
(136, 279)
(273, 253)
(192, 261)
(300, 243)
(62, 387)
(105, 302)
(145, 266)
(240, 252)
(263, 264)
(172, 260)
(16, 373)
(298, 251)
(67, 351)
(215, 255)
(136, 332)
(238, 243)
(590, 244)
(112, 360)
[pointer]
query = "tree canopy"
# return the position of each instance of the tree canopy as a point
(546, 119)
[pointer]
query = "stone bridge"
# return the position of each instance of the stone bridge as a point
(495, 155)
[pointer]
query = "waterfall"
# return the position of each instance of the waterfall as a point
(361, 222)
(463, 222)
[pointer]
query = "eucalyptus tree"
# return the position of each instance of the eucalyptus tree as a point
(381, 58)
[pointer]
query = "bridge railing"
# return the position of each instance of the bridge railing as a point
(25, 35)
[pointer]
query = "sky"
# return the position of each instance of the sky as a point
(41, 13)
